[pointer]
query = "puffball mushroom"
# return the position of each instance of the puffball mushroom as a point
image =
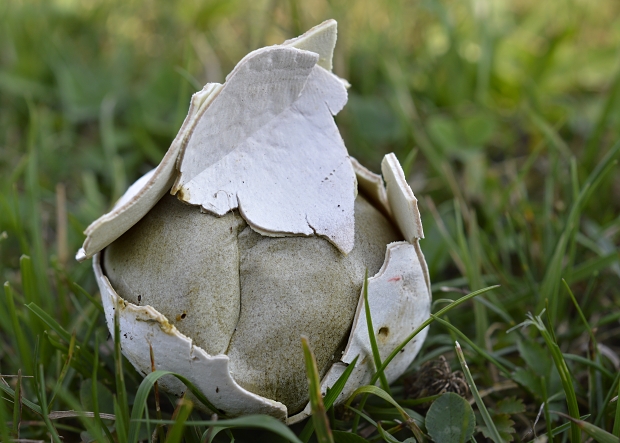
(257, 227)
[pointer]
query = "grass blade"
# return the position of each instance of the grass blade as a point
(94, 393)
(4, 428)
(477, 348)
(77, 289)
(488, 421)
(17, 405)
(24, 348)
(63, 372)
(373, 338)
(48, 320)
(348, 437)
(141, 398)
(545, 397)
(92, 426)
(613, 390)
(248, 422)
(564, 372)
(319, 416)
(42, 396)
(330, 397)
(598, 434)
(581, 315)
(377, 391)
(616, 429)
(550, 285)
(25, 402)
(181, 414)
(557, 430)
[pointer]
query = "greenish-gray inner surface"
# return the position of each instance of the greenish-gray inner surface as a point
(252, 297)
(185, 264)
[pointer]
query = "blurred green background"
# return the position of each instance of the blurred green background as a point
(96, 90)
(498, 110)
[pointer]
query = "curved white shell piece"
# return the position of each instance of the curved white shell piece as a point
(142, 325)
(144, 195)
(266, 143)
(402, 201)
(320, 39)
(146, 192)
(253, 146)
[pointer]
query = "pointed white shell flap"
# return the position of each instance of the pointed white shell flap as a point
(320, 39)
(265, 142)
(146, 192)
(262, 107)
(173, 351)
(402, 201)
(269, 146)
(371, 186)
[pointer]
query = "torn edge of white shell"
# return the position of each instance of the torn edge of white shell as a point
(146, 192)
(272, 108)
(282, 162)
(142, 325)
(320, 39)
(399, 295)
(403, 203)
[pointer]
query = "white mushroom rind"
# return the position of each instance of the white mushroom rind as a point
(320, 39)
(403, 203)
(144, 194)
(309, 95)
(143, 326)
(399, 299)
(322, 197)
(251, 148)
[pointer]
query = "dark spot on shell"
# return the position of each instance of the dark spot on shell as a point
(217, 389)
(384, 331)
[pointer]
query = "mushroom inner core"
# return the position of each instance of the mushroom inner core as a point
(236, 292)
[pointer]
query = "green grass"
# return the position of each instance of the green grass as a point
(506, 116)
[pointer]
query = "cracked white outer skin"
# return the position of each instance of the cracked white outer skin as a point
(321, 39)
(400, 291)
(399, 299)
(146, 192)
(142, 327)
(252, 149)
(316, 46)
